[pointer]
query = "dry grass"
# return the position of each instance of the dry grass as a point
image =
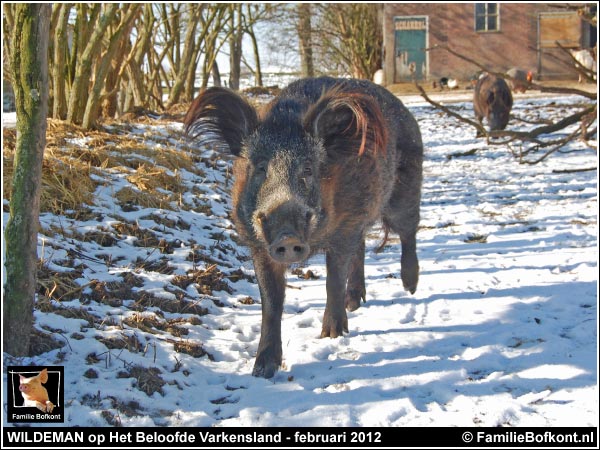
(161, 266)
(150, 323)
(76, 164)
(66, 182)
(127, 341)
(148, 379)
(206, 280)
(130, 199)
(46, 306)
(100, 237)
(73, 155)
(41, 342)
(144, 237)
(109, 293)
(194, 349)
(151, 179)
(59, 286)
(146, 301)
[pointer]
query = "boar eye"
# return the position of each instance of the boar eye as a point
(261, 168)
(306, 175)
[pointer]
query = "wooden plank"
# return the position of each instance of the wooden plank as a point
(562, 27)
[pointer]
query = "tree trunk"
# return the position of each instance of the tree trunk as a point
(189, 47)
(59, 69)
(30, 69)
(212, 24)
(216, 75)
(83, 72)
(190, 80)
(92, 106)
(137, 91)
(118, 65)
(258, 81)
(304, 36)
(235, 48)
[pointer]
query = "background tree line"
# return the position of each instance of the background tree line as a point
(106, 59)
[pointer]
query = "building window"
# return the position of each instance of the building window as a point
(487, 17)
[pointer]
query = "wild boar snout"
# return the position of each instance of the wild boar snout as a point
(285, 230)
(289, 249)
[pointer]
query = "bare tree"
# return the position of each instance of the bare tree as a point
(59, 66)
(235, 45)
(120, 32)
(215, 38)
(349, 37)
(251, 19)
(29, 64)
(110, 58)
(304, 29)
(191, 46)
(90, 45)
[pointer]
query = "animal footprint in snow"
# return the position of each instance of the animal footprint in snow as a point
(445, 315)
(410, 315)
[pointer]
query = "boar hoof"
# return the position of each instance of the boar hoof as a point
(266, 367)
(410, 286)
(353, 298)
(265, 371)
(334, 329)
(409, 272)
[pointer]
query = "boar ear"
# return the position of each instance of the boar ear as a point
(220, 116)
(348, 122)
(43, 376)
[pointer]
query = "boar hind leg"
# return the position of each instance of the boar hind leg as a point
(271, 282)
(356, 290)
(409, 263)
(402, 216)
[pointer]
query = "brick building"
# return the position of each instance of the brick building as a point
(499, 35)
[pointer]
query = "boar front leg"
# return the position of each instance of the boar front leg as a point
(271, 282)
(338, 259)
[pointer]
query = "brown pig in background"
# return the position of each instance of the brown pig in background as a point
(492, 99)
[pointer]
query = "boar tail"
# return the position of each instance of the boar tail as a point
(386, 234)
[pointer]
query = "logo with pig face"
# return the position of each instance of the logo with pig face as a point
(35, 394)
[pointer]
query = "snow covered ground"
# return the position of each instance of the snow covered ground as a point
(502, 330)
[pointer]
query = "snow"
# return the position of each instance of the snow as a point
(9, 119)
(502, 330)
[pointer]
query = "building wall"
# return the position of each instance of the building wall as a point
(453, 24)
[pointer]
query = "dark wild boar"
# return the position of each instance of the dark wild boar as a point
(492, 99)
(326, 160)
